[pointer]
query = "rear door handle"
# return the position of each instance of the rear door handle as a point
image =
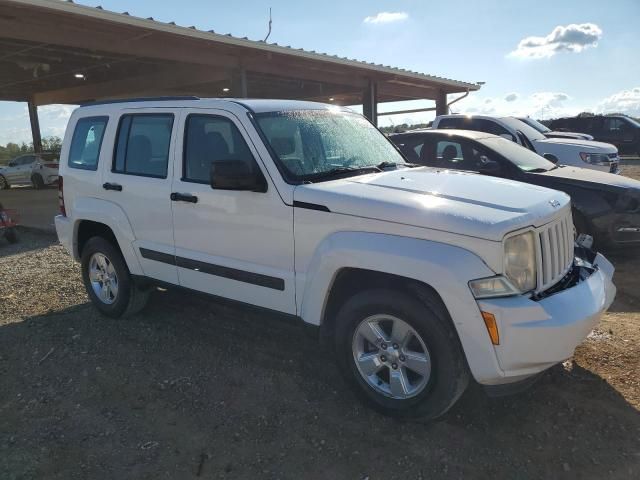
(112, 186)
(183, 197)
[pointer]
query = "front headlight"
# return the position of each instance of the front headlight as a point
(595, 158)
(520, 261)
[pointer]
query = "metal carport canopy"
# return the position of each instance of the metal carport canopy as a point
(61, 52)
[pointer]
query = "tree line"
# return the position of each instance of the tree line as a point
(13, 150)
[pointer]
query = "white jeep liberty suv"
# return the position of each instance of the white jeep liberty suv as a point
(417, 278)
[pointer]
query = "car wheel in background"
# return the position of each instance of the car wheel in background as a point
(108, 281)
(11, 235)
(37, 181)
(402, 355)
(3, 183)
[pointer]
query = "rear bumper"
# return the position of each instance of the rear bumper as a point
(537, 334)
(64, 229)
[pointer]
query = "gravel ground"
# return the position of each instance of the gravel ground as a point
(192, 388)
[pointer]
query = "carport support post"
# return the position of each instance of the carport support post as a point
(441, 103)
(370, 102)
(35, 126)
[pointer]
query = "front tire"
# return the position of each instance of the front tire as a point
(400, 354)
(108, 281)
(4, 185)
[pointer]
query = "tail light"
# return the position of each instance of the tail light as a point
(51, 165)
(63, 211)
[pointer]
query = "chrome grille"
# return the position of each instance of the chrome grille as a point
(555, 251)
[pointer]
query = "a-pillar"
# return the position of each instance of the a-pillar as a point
(370, 102)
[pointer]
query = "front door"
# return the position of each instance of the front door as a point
(236, 244)
(139, 181)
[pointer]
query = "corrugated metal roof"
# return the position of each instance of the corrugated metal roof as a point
(171, 27)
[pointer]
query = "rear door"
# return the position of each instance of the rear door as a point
(139, 181)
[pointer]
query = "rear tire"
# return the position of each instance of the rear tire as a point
(37, 181)
(432, 341)
(104, 271)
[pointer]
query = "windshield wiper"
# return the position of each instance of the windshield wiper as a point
(539, 170)
(383, 165)
(337, 171)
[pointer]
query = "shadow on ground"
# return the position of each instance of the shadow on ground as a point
(193, 388)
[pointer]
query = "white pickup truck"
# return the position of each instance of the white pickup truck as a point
(566, 151)
(416, 278)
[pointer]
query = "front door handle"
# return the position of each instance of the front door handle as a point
(112, 186)
(183, 197)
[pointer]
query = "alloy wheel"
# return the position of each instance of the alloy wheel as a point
(391, 356)
(103, 278)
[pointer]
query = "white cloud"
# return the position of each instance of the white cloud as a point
(626, 101)
(572, 38)
(512, 97)
(386, 17)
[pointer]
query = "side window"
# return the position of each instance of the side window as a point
(493, 128)
(411, 148)
(461, 156)
(28, 159)
(86, 142)
(455, 122)
(211, 139)
(143, 143)
(614, 124)
(449, 154)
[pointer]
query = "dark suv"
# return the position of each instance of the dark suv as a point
(620, 130)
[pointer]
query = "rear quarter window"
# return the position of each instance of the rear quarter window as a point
(87, 142)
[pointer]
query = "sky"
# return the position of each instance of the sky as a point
(543, 59)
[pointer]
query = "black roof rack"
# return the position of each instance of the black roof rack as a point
(139, 99)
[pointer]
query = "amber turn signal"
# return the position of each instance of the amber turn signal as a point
(492, 327)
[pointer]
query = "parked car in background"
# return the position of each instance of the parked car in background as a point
(547, 132)
(414, 278)
(605, 206)
(619, 130)
(565, 151)
(38, 170)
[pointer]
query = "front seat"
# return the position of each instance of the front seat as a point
(449, 154)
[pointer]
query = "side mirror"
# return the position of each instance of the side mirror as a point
(551, 157)
(11, 164)
(489, 167)
(236, 175)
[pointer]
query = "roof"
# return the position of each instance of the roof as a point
(44, 43)
(251, 104)
(453, 132)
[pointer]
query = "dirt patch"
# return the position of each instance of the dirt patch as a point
(192, 388)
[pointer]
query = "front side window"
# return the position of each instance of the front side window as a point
(143, 145)
(86, 143)
(210, 139)
(310, 145)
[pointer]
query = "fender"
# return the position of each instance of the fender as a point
(447, 269)
(103, 211)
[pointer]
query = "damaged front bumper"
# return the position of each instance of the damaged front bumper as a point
(539, 332)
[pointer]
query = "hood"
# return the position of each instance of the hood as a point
(598, 180)
(458, 202)
(579, 136)
(588, 146)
